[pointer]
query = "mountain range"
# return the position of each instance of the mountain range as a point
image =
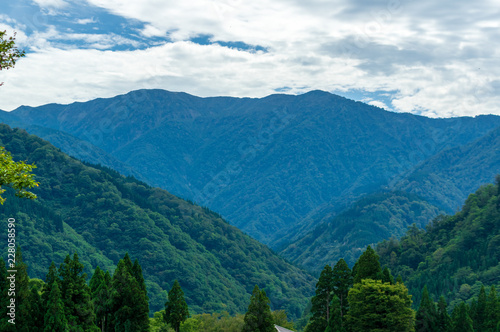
(281, 167)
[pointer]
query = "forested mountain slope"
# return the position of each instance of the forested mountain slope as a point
(455, 255)
(101, 215)
(271, 166)
(368, 221)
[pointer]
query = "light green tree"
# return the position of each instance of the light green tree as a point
(16, 175)
(9, 53)
(378, 306)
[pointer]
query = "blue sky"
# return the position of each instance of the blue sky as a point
(438, 59)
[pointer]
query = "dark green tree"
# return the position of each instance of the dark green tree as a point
(23, 292)
(426, 318)
(492, 309)
(4, 298)
(258, 317)
(100, 287)
(377, 306)
(336, 323)
(129, 306)
(461, 321)
(51, 277)
(368, 266)
(478, 315)
(137, 273)
(75, 292)
(342, 282)
(443, 323)
(176, 309)
(387, 276)
(55, 318)
(320, 309)
(36, 312)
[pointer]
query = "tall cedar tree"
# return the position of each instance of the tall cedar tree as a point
(377, 306)
(258, 317)
(367, 266)
(129, 305)
(461, 321)
(320, 309)
(75, 292)
(336, 323)
(55, 318)
(426, 318)
(479, 314)
(443, 323)
(176, 309)
(23, 305)
(37, 312)
(100, 288)
(493, 307)
(342, 282)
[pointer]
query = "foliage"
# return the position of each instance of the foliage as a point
(258, 317)
(377, 306)
(461, 319)
(320, 309)
(16, 175)
(367, 266)
(55, 319)
(98, 213)
(456, 254)
(426, 319)
(9, 53)
(176, 309)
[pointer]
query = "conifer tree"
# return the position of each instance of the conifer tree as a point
(75, 292)
(100, 287)
(258, 317)
(426, 318)
(55, 318)
(342, 282)
(23, 305)
(4, 298)
(51, 277)
(443, 323)
(479, 313)
(137, 273)
(461, 321)
(36, 313)
(129, 306)
(387, 276)
(176, 309)
(320, 309)
(336, 323)
(368, 266)
(492, 310)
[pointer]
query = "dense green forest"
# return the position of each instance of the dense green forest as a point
(368, 221)
(100, 214)
(456, 255)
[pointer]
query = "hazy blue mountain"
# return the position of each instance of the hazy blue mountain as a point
(448, 178)
(101, 214)
(272, 166)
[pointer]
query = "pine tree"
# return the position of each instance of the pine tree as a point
(36, 313)
(23, 292)
(55, 319)
(336, 323)
(479, 313)
(443, 323)
(492, 310)
(176, 309)
(258, 317)
(320, 309)
(129, 306)
(368, 266)
(342, 282)
(426, 318)
(100, 287)
(75, 292)
(461, 321)
(377, 306)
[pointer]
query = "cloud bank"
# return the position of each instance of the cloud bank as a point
(438, 59)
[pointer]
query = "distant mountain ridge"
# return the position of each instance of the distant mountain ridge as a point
(272, 166)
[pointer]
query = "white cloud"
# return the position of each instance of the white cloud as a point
(86, 21)
(429, 52)
(51, 3)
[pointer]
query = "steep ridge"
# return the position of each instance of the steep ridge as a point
(367, 221)
(270, 166)
(101, 214)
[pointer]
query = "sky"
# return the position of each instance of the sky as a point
(427, 57)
